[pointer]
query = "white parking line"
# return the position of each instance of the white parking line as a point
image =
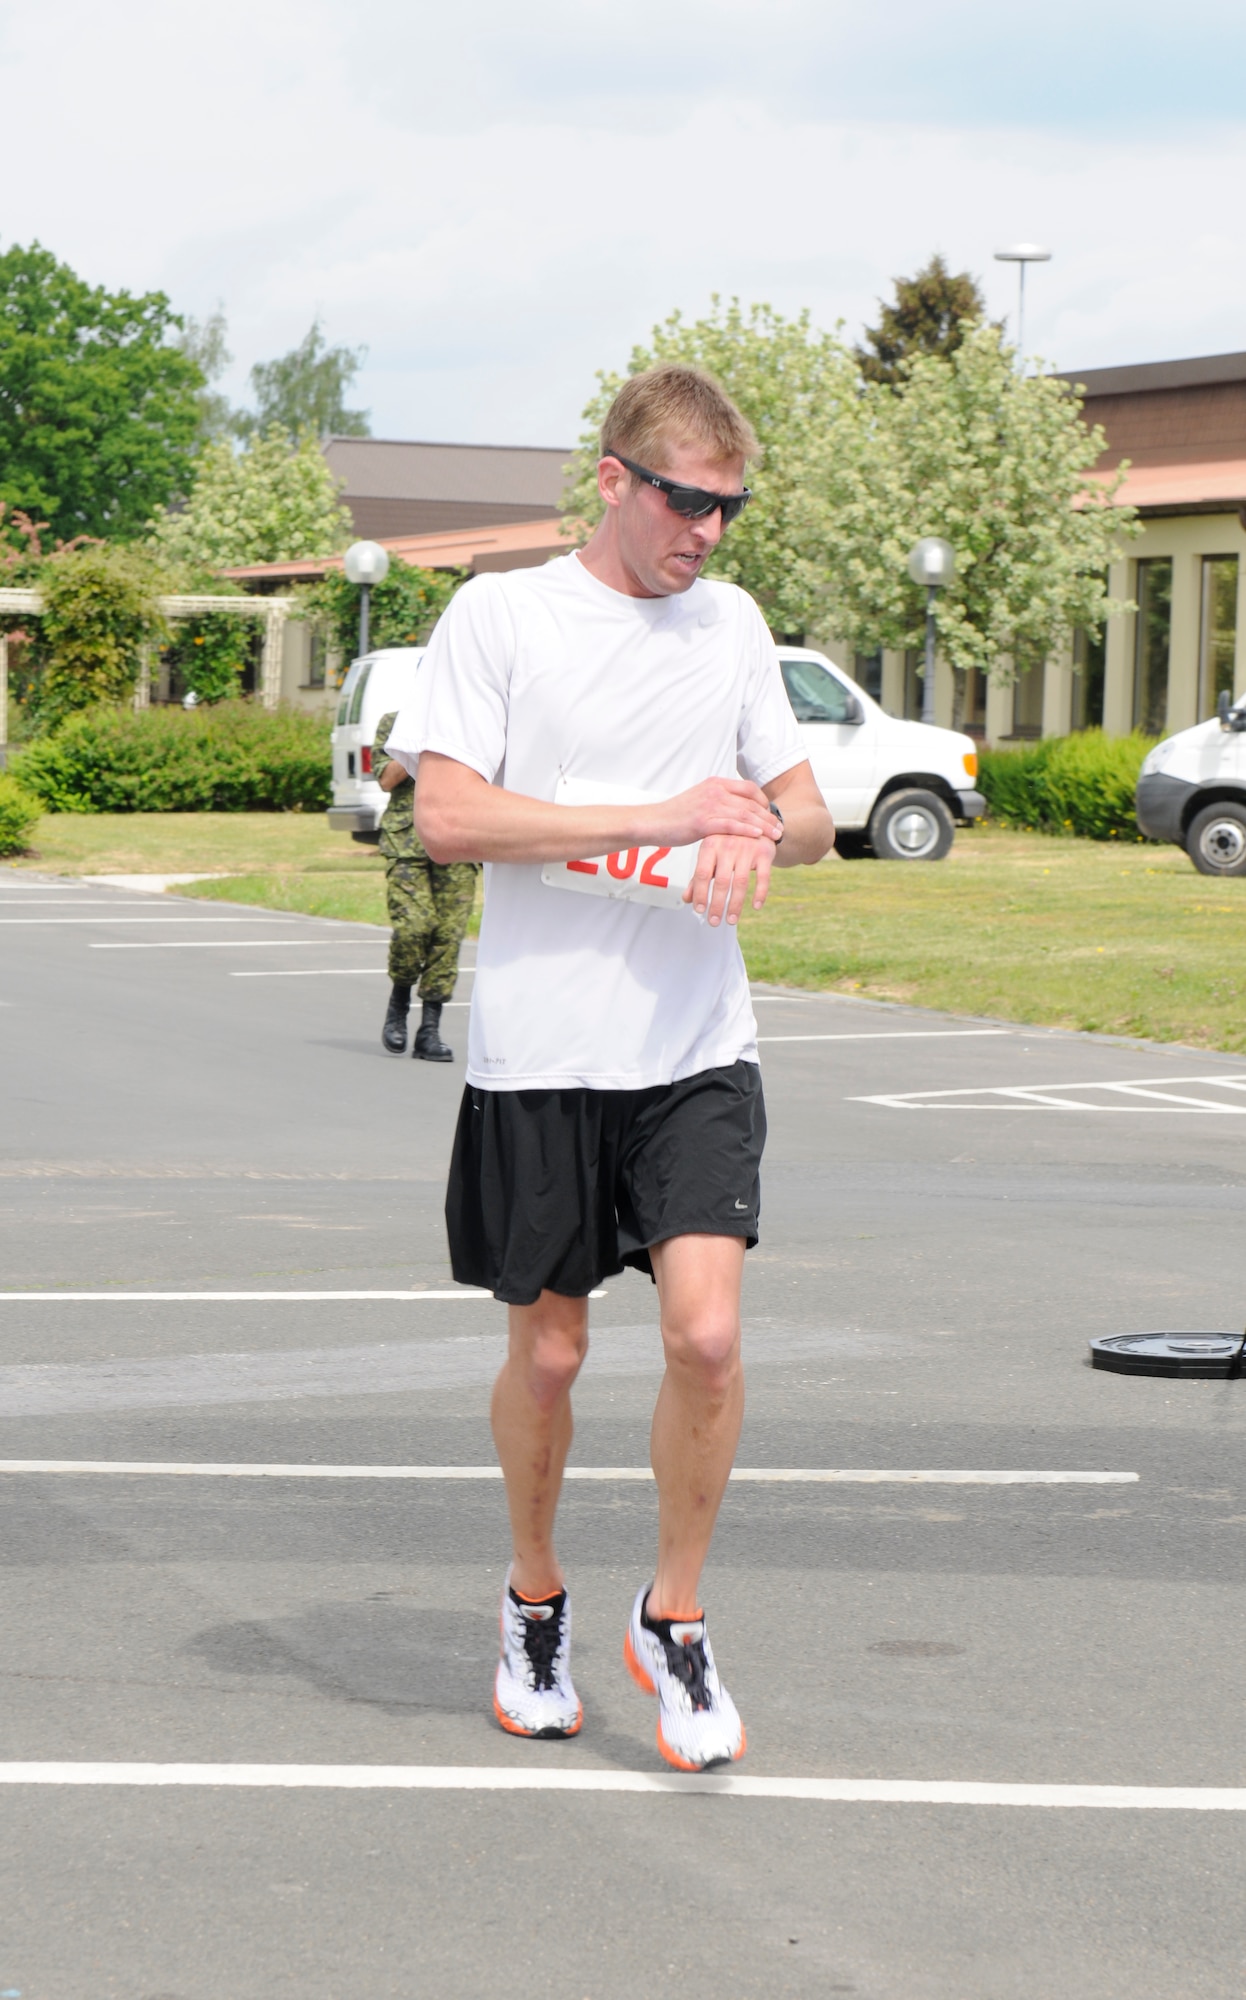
(233, 1298)
(102, 900)
(525, 1778)
(616, 1474)
(236, 944)
(139, 920)
(1068, 1097)
(893, 1035)
(331, 972)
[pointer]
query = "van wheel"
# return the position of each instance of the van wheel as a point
(911, 826)
(1216, 841)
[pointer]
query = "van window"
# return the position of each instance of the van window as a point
(356, 701)
(815, 695)
(348, 688)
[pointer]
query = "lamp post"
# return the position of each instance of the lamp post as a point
(932, 564)
(365, 563)
(1022, 254)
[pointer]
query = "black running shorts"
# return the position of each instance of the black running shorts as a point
(554, 1190)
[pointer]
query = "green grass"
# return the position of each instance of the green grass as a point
(1069, 933)
(1122, 939)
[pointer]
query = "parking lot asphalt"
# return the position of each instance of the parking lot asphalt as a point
(197, 1104)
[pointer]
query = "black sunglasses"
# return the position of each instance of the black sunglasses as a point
(693, 502)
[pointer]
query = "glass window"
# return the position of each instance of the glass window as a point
(316, 654)
(913, 686)
(815, 695)
(348, 688)
(870, 674)
(356, 700)
(1217, 646)
(974, 711)
(1027, 701)
(1152, 629)
(1089, 664)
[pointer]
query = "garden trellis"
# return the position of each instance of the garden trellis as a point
(273, 610)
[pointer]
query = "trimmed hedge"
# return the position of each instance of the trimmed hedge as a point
(1081, 784)
(18, 813)
(231, 758)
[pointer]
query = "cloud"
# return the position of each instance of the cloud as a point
(498, 202)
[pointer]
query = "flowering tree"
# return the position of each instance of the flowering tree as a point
(272, 502)
(1000, 465)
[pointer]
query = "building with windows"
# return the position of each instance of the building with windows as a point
(1181, 425)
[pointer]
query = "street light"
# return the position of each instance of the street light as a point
(932, 563)
(1022, 254)
(365, 563)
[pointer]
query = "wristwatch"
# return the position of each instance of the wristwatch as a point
(782, 829)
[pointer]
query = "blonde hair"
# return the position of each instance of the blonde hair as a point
(671, 405)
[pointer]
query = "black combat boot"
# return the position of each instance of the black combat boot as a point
(394, 1033)
(428, 1045)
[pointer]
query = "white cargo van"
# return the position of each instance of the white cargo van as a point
(374, 685)
(1192, 790)
(900, 786)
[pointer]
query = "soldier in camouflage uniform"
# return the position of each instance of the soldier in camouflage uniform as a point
(429, 907)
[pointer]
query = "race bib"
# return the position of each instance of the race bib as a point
(635, 874)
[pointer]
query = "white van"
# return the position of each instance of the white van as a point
(1192, 790)
(375, 684)
(901, 786)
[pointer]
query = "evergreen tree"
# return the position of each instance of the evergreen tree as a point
(931, 315)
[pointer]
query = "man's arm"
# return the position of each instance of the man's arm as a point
(808, 829)
(459, 816)
(391, 776)
(720, 885)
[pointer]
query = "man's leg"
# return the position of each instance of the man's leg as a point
(700, 1406)
(532, 1429)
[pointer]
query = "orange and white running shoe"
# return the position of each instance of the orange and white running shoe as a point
(698, 1724)
(532, 1694)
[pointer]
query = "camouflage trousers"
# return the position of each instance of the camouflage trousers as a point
(428, 907)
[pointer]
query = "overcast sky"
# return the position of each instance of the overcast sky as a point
(499, 199)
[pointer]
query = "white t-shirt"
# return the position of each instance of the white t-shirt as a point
(537, 674)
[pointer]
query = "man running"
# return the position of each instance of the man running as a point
(611, 735)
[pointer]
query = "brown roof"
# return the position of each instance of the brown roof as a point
(396, 486)
(1180, 424)
(512, 545)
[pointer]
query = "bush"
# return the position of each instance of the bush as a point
(1081, 784)
(99, 609)
(208, 654)
(231, 758)
(18, 813)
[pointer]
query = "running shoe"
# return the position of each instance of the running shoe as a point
(698, 1724)
(533, 1695)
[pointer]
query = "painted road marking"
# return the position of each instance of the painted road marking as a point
(893, 1035)
(745, 1475)
(1067, 1096)
(331, 972)
(236, 1298)
(141, 920)
(519, 1778)
(101, 901)
(233, 944)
